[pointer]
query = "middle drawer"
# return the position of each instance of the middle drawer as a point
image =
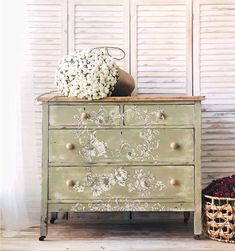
(121, 145)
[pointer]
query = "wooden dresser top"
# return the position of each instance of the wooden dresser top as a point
(139, 98)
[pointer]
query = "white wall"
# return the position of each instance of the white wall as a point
(158, 37)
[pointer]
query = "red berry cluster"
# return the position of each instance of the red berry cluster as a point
(224, 187)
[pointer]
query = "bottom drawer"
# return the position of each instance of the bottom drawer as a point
(122, 182)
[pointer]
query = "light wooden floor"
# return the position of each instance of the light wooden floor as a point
(163, 234)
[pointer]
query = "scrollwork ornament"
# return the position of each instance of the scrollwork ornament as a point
(145, 150)
(123, 205)
(92, 147)
(145, 116)
(100, 117)
(144, 182)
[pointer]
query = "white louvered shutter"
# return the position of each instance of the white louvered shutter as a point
(162, 46)
(47, 21)
(214, 77)
(47, 24)
(96, 23)
(47, 32)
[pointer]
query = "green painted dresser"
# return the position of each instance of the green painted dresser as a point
(121, 154)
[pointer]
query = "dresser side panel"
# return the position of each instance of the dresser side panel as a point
(44, 195)
(197, 187)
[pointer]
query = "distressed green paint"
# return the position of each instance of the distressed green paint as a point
(113, 140)
(44, 198)
(149, 206)
(69, 115)
(183, 190)
(197, 177)
(181, 124)
(146, 114)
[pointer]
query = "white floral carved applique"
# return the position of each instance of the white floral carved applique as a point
(146, 149)
(142, 182)
(145, 116)
(100, 183)
(124, 205)
(102, 116)
(91, 147)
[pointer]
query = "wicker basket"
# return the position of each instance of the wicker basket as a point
(219, 218)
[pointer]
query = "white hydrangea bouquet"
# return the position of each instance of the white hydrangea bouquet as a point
(87, 74)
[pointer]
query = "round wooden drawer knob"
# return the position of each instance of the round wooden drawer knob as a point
(173, 182)
(174, 145)
(69, 146)
(70, 183)
(160, 115)
(84, 116)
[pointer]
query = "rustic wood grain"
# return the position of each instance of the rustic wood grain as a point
(139, 98)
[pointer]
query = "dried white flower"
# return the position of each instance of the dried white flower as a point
(84, 74)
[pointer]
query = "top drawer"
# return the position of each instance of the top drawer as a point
(84, 115)
(158, 114)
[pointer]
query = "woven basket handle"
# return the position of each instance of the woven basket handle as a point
(111, 47)
(45, 93)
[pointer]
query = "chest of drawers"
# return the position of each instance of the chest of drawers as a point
(121, 154)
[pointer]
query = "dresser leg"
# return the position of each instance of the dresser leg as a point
(186, 217)
(197, 174)
(44, 198)
(41, 238)
(66, 216)
(43, 227)
(197, 224)
(53, 217)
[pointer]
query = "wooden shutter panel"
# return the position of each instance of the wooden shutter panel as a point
(161, 46)
(214, 77)
(47, 34)
(47, 24)
(96, 23)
